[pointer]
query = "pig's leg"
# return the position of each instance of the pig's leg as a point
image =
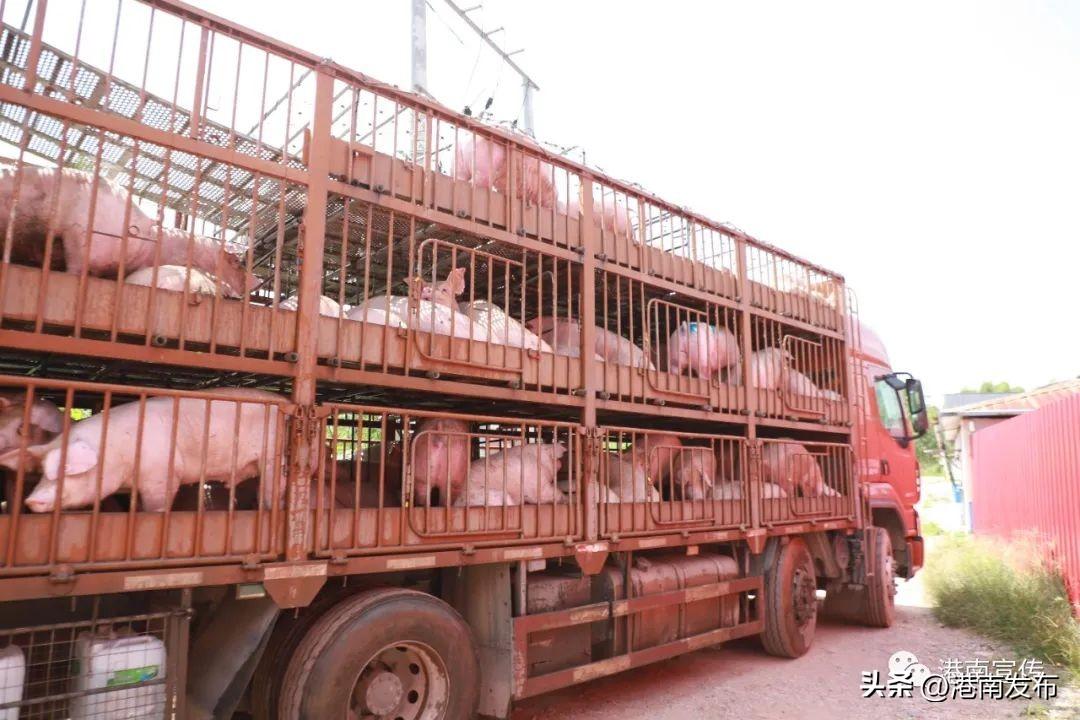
(155, 494)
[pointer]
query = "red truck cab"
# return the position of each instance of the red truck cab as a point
(891, 417)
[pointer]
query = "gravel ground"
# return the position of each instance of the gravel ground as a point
(739, 680)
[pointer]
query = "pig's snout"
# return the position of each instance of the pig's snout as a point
(43, 498)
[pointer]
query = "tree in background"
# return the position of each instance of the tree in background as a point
(927, 448)
(992, 387)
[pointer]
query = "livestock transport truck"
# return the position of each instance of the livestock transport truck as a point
(321, 400)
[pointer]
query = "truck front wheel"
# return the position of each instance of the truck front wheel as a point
(387, 653)
(873, 603)
(790, 601)
(880, 607)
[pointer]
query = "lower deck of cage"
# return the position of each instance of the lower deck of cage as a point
(113, 540)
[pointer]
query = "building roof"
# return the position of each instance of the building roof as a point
(1008, 404)
(959, 400)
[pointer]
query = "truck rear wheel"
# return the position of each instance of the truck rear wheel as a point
(288, 632)
(390, 653)
(790, 601)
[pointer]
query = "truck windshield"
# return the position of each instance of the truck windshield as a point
(890, 409)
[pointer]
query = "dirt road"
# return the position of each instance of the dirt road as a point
(739, 680)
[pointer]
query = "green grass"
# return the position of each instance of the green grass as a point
(1005, 592)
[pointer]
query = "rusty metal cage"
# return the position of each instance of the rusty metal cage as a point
(398, 479)
(373, 258)
(113, 476)
(803, 481)
(421, 299)
(652, 482)
(798, 374)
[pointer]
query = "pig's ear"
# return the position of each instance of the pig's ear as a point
(456, 278)
(80, 458)
(31, 460)
(560, 450)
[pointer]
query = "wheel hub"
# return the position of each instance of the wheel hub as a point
(384, 693)
(804, 596)
(405, 681)
(889, 576)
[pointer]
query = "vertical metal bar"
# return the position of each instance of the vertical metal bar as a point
(307, 316)
(587, 317)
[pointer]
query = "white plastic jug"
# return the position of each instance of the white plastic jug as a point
(120, 662)
(12, 676)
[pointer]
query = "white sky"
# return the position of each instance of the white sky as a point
(927, 150)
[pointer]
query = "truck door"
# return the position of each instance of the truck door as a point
(889, 431)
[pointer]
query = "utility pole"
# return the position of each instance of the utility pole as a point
(528, 87)
(419, 46)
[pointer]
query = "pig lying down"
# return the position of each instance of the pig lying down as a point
(327, 306)
(174, 277)
(564, 336)
(61, 201)
(770, 369)
(501, 328)
(234, 449)
(435, 310)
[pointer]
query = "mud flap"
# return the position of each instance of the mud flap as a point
(482, 594)
(224, 655)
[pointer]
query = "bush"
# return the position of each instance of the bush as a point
(930, 527)
(1005, 591)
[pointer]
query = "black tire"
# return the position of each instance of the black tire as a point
(790, 601)
(287, 634)
(350, 643)
(873, 604)
(879, 609)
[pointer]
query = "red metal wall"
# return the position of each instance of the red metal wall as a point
(1026, 477)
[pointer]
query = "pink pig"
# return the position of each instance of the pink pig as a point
(693, 473)
(658, 452)
(327, 306)
(611, 216)
(435, 310)
(236, 448)
(703, 349)
(46, 421)
(501, 328)
(174, 277)
(440, 459)
(627, 478)
(565, 336)
(119, 228)
(484, 163)
(770, 369)
(790, 466)
(522, 473)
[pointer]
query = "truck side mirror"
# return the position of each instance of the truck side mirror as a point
(920, 422)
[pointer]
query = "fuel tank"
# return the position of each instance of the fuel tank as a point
(664, 573)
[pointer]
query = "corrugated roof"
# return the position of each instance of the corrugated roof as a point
(1014, 403)
(956, 400)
